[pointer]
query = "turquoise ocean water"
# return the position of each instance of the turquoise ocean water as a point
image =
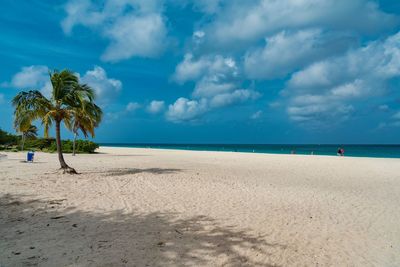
(376, 151)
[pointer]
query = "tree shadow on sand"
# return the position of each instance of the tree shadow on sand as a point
(128, 171)
(49, 233)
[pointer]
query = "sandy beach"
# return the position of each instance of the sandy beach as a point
(148, 207)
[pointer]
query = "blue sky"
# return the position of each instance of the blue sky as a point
(215, 71)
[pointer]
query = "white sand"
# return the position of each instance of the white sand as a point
(146, 207)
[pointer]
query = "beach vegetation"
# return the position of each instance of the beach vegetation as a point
(28, 132)
(7, 139)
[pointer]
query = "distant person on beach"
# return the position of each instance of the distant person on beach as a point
(340, 152)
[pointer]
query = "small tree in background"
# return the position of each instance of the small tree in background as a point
(29, 132)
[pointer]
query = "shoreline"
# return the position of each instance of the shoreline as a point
(248, 152)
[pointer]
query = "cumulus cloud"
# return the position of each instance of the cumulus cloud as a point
(186, 110)
(217, 85)
(135, 36)
(35, 77)
(156, 106)
(331, 88)
(191, 110)
(106, 88)
(132, 106)
(32, 76)
(191, 69)
(313, 43)
(302, 37)
(241, 22)
(211, 86)
(237, 96)
(134, 27)
(286, 52)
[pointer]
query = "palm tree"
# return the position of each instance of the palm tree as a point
(86, 118)
(28, 131)
(67, 97)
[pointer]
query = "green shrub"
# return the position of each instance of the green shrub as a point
(13, 142)
(38, 143)
(8, 139)
(81, 146)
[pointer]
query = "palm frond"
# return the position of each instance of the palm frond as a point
(29, 106)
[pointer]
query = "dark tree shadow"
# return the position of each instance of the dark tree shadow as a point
(49, 233)
(128, 171)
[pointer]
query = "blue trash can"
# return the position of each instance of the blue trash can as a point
(30, 156)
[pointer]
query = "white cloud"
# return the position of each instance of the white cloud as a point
(286, 52)
(332, 87)
(32, 76)
(106, 88)
(35, 77)
(156, 106)
(191, 110)
(378, 61)
(241, 22)
(237, 96)
(191, 69)
(134, 27)
(186, 110)
(198, 34)
(198, 38)
(217, 85)
(211, 86)
(132, 106)
(213, 75)
(256, 115)
(80, 12)
(135, 36)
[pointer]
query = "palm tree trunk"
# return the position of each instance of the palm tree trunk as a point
(23, 142)
(73, 144)
(63, 164)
